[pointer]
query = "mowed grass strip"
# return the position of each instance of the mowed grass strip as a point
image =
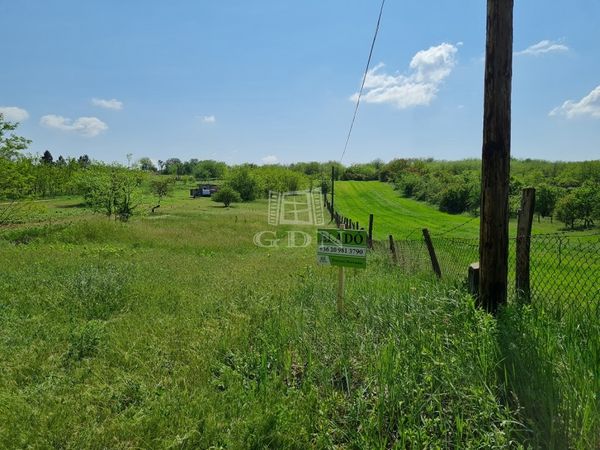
(405, 217)
(394, 214)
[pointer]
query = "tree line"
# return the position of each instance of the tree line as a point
(567, 191)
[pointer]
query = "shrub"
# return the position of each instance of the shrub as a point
(226, 195)
(245, 183)
(455, 199)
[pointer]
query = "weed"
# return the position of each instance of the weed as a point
(99, 291)
(85, 341)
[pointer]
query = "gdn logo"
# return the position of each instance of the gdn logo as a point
(296, 208)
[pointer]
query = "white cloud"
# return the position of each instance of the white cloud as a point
(270, 159)
(428, 69)
(208, 119)
(108, 104)
(587, 106)
(87, 126)
(543, 47)
(13, 113)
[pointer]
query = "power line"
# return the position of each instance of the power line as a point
(362, 86)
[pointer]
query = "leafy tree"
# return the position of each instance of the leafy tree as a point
(408, 184)
(160, 187)
(47, 158)
(84, 161)
(226, 195)
(112, 190)
(209, 169)
(587, 197)
(10, 143)
(394, 169)
(173, 166)
(128, 198)
(545, 200)
(277, 178)
(244, 182)
(567, 209)
(146, 164)
(313, 169)
(362, 172)
(455, 199)
(16, 179)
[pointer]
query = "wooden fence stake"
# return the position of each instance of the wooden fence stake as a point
(434, 261)
(370, 239)
(341, 286)
(524, 244)
(474, 280)
(393, 250)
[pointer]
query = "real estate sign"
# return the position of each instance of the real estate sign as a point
(345, 248)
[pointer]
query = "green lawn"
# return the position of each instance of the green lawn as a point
(175, 331)
(404, 217)
(564, 270)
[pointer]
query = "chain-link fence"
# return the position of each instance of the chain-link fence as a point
(564, 269)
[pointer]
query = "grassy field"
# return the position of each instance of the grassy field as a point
(404, 217)
(564, 269)
(175, 331)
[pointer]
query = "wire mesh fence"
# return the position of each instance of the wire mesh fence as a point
(564, 269)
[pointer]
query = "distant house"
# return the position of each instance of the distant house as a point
(204, 190)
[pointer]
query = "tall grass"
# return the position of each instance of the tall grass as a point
(180, 333)
(552, 365)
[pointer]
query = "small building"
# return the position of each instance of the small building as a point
(204, 190)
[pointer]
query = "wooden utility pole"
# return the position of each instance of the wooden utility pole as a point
(332, 190)
(524, 244)
(495, 173)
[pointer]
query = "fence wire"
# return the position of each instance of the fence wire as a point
(564, 269)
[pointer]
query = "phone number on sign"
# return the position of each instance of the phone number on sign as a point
(335, 250)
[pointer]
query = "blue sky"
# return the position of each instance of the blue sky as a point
(274, 80)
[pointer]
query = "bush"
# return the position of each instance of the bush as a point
(455, 199)
(226, 195)
(280, 179)
(245, 183)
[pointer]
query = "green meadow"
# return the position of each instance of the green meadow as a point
(404, 217)
(175, 330)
